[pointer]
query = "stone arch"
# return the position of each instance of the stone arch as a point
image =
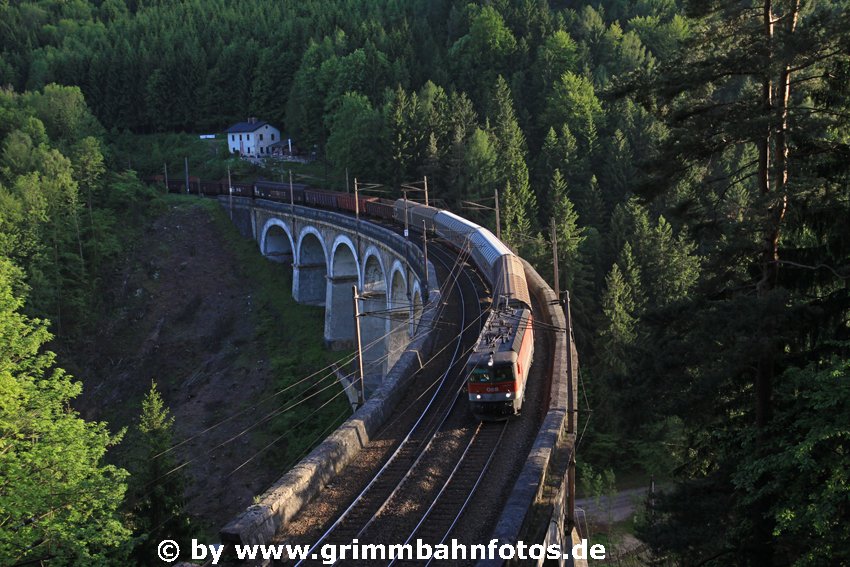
(400, 313)
(374, 323)
(343, 273)
(344, 262)
(276, 242)
(374, 275)
(310, 268)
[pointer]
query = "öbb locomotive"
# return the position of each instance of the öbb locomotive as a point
(497, 370)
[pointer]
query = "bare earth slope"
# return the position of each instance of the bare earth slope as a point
(183, 313)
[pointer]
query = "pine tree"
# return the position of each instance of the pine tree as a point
(510, 145)
(516, 226)
(632, 276)
(755, 79)
(618, 326)
(159, 510)
(570, 235)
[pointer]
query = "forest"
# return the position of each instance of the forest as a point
(692, 159)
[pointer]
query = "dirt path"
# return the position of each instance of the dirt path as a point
(612, 509)
(601, 516)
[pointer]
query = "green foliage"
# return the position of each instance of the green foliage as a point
(806, 463)
(681, 312)
(759, 331)
(158, 483)
(618, 330)
(574, 103)
(59, 500)
(484, 52)
(355, 125)
(519, 206)
(569, 232)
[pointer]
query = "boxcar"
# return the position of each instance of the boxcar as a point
(380, 208)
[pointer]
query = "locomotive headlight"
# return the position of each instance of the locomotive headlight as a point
(477, 396)
(508, 395)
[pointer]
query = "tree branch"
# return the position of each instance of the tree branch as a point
(816, 267)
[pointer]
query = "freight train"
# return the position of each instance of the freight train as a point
(497, 370)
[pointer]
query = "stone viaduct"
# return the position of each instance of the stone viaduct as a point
(329, 252)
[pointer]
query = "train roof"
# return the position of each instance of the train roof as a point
(416, 213)
(452, 224)
(510, 281)
(501, 336)
(489, 248)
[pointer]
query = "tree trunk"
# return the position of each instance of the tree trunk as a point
(761, 552)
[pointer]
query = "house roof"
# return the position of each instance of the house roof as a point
(246, 127)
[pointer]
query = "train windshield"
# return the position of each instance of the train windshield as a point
(479, 374)
(503, 373)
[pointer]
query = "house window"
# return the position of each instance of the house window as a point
(272, 136)
(240, 137)
(262, 148)
(233, 137)
(248, 136)
(261, 137)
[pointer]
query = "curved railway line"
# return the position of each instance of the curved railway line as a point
(418, 453)
(434, 472)
(425, 476)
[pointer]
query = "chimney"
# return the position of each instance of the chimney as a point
(252, 120)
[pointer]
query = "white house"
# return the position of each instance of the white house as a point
(252, 138)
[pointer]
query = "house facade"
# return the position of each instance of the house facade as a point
(252, 138)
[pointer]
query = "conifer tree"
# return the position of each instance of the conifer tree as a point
(159, 510)
(632, 276)
(520, 203)
(570, 235)
(618, 326)
(755, 79)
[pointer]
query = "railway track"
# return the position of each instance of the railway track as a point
(450, 503)
(439, 408)
(427, 481)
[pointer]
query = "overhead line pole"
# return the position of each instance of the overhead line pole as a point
(554, 236)
(406, 231)
(425, 179)
(498, 216)
(361, 396)
(571, 415)
(425, 254)
(230, 192)
(291, 194)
